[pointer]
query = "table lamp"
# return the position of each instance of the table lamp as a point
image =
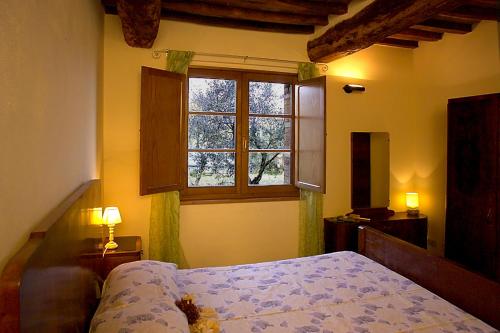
(412, 203)
(111, 217)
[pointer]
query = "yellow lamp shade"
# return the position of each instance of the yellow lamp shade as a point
(95, 216)
(412, 200)
(111, 216)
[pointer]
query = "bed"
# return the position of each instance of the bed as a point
(338, 292)
(390, 286)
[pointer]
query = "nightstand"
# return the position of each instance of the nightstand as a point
(342, 235)
(129, 249)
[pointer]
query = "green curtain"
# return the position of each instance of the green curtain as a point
(164, 243)
(311, 239)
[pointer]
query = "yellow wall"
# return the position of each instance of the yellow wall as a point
(220, 234)
(50, 64)
(213, 234)
(456, 66)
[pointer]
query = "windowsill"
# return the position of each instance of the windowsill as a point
(235, 200)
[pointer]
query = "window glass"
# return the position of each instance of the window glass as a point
(269, 168)
(270, 98)
(211, 132)
(269, 133)
(216, 132)
(212, 95)
(210, 169)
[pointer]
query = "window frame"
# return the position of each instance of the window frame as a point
(241, 191)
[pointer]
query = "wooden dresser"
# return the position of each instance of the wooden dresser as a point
(129, 249)
(341, 235)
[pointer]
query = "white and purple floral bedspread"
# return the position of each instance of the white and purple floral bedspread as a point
(341, 292)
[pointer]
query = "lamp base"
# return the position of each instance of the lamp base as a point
(413, 212)
(111, 245)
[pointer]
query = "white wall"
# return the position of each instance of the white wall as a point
(50, 64)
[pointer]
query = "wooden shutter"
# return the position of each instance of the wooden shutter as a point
(161, 106)
(311, 134)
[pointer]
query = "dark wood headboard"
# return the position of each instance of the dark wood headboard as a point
(469, 291)
(43, 288)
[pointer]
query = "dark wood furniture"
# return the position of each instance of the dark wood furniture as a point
(43, 288)
(473, 187)
(129, 249)
(469, 291)
(341, 235)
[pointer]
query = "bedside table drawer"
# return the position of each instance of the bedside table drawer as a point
(112, 261)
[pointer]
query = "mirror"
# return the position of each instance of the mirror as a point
(370, 170)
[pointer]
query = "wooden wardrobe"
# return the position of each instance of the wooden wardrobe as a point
(472, 200)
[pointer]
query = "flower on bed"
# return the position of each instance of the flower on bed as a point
(200, 320)
(205, 326)
(190, 310)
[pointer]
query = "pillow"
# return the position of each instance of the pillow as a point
(143, 316)
(140, 280)
(141, 296)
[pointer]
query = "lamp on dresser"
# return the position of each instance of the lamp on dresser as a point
(412, 203)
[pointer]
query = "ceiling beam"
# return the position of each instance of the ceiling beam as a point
(444, 26)
(409, 44)
(299, 7)
(375, 22)
(239, 24)
(226, 12)
(473, 13)
(140, 21)
(485, 3)
(419, 35)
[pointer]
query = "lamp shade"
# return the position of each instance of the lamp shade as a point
(111, 216)
(412, 200)
(95, 216)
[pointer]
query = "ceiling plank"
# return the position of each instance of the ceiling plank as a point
(418, 35)
(239, 24)
(473, 13)
(409, 44)
(444, 26)
(299, 7)
(375, 22)
(140, 21)
(448, 18)
(485, 3)
(226, 12)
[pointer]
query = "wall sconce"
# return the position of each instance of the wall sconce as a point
(349, 88)
(111, 217)
(412, 203)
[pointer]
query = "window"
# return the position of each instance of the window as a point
(239, 135)
(222, 134)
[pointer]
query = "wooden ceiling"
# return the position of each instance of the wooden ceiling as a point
(460, 20)
(400, 23)
(288, 16)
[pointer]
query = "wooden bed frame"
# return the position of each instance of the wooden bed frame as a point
(45, 287)
(469, 291)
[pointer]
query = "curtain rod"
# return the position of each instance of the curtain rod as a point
(157, 55)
